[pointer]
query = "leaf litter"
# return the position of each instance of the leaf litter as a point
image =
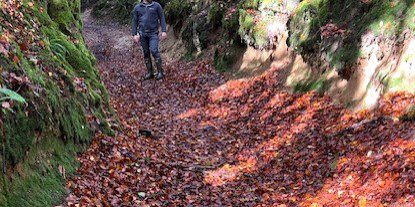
(220, 142)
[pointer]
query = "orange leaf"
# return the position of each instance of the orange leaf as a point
(23, 47)
(42, 44)
(15, 59)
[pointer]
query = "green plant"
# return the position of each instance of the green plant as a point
(57, 48)
(119, 9)
(7, 94)
(176, 12)
(11, 95)
(250, 4)
(216, 14)
(319, 85)
(230, 24)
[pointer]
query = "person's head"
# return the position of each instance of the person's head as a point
(147, 1)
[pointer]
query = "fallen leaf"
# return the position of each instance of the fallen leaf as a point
(5, 104)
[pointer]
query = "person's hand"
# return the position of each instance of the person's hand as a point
(136, 38)
(163, 35)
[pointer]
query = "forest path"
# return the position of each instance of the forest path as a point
(220, 142)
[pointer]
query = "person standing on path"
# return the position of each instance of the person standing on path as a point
(147, 17)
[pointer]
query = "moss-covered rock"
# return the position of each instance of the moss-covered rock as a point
(261, 21)
(328, 40)
(365, 44)
(45, 60)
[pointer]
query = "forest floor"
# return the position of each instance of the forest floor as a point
(244, 142)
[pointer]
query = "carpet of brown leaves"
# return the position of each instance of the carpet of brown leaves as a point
(219, 142)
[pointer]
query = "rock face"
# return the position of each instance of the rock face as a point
(43, 58)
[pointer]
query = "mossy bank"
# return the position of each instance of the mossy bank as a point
(43, 57)
(356, 50)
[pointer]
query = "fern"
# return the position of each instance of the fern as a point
(57, 48)
(8, 94)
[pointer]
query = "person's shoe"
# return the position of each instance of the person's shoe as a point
(148, 76)
(160, 72)
(149, 66)
(160, 76)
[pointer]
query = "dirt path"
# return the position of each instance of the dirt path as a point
(236, 143)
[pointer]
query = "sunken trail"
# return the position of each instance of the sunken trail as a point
(236, 142)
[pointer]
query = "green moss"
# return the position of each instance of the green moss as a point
(176, 12)
(120, 9)
(187, 36)
(345, 56)
(230, 24)
(215, 15)
(37, 181)
(319, 85)
(397, 83)
(226, 57)
(260, 34)
(246, 21)
(48, 131)
(251, 4)
(392, 83)
(301, 26)
(254, 20)
(387, 18)
(62, 13)
(19, 137)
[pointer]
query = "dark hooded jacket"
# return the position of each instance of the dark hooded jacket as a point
(147, 17)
